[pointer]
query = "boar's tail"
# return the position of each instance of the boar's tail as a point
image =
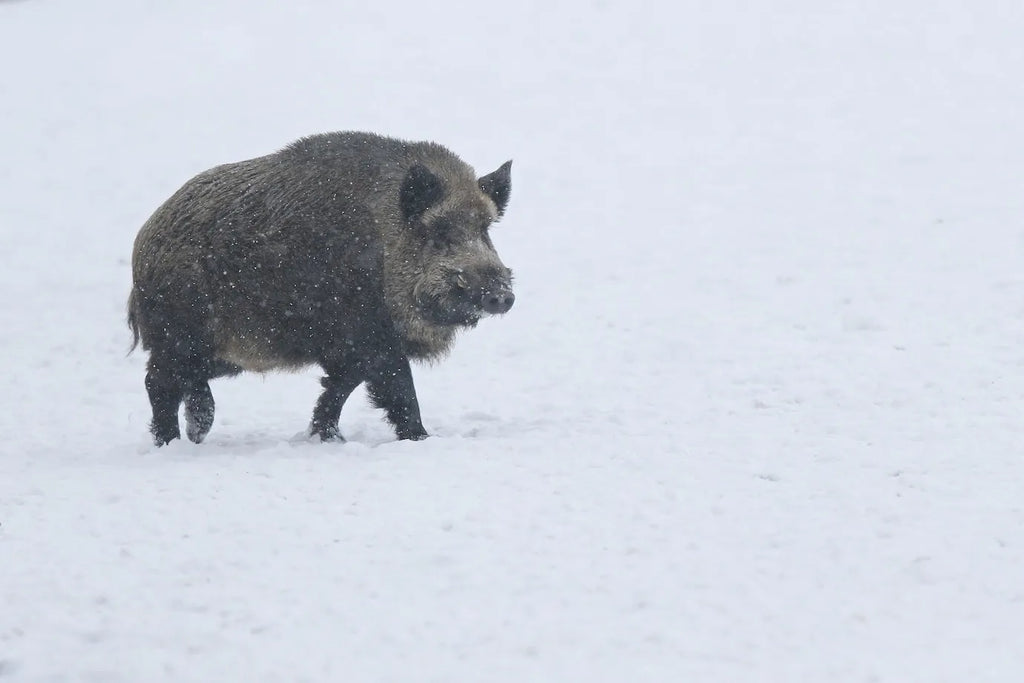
(133, 318)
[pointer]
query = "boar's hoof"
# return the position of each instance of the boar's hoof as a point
(416, 434)
(329, 433)
(164, 435)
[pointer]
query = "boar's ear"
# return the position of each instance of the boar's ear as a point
(421, 189)
(498, 185)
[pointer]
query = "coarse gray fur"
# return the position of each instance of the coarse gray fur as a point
(349, 250)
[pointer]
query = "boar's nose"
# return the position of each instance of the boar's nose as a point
(498, 301)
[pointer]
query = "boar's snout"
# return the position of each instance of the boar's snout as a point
(493, 293)
(482, 292)
(499, 301)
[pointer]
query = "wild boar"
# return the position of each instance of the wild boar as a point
(352, 251)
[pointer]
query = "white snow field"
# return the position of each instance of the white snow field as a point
(756, 414)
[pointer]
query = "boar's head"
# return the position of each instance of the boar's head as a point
(450, 275)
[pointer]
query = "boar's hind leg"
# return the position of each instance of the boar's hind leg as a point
(198, 411)
(390, 387)
(199, 405)
(338, 385)
(170, 381)
(165, 385)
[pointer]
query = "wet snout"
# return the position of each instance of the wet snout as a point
(498, 301)
(488, 291)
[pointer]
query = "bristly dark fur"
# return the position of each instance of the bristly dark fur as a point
(352, 251)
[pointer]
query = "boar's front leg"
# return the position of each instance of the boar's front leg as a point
(340, 382)
(390, 387)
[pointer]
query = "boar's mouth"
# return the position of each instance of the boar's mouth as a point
(462, 299)
(448, 313)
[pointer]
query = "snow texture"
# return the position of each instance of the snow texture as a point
(756, 414)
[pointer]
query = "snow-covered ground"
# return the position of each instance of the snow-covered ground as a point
(756, 415)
